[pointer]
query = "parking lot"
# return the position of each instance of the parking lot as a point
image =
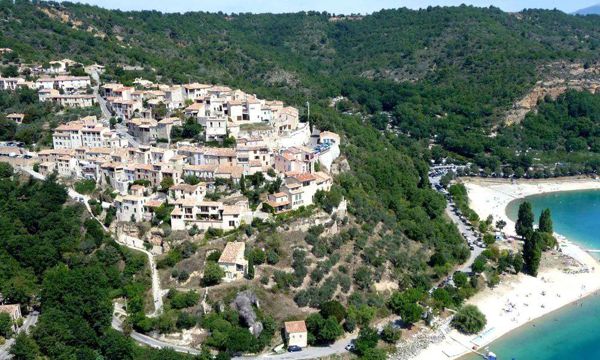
(471, 235)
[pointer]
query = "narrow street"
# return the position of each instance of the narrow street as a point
(29, 321)
(152, 342)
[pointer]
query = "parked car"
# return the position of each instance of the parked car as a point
(294, 348)
(350, 347)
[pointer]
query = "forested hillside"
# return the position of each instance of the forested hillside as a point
(55, 259)
(451, 72)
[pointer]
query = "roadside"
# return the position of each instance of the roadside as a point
(28, 323)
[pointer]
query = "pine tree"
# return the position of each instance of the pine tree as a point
(532, 252)
(243, 184)
(546, 222)
(250, 270)
(524, 224)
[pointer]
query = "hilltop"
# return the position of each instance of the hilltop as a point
(592, 10)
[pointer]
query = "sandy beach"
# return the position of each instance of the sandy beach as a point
(565, 277)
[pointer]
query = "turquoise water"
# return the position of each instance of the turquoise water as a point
(568, 333)
(576, 214)
(573, 331)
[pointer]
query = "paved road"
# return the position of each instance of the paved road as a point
(117, 324)
(157, 292)
(106, 114)
(464, 227)
(307, 353)
(122, 131)
(28, 323)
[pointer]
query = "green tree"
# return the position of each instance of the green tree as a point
(116, 346)
(10, 71)
(389, 334)
(25, 348)
(85, 186)
(532, 252)
(524, 223)
(213, 273)
(330, 330)
(460, 279)
(405, 305)
(469, 320)
(374, 354)
(479, 264)
(333, 308)
(6, 325)
(500, 224)
(166, 183)
(6, 170)
(191, 180)
(243, 184)
(367, 339)
(517, 263)
(545, 224)
(250, 271)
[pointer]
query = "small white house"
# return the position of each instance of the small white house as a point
(296, 333)
(232, 261)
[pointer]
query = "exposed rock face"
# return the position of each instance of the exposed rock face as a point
(243, 304)
(559, 77)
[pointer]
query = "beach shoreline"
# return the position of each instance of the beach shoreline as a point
(565, 276)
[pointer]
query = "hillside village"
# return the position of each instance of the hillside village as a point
(267, 138)
(205, 159)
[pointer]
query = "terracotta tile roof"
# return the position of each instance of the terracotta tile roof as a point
(221, 152)
(10, 309)
(195, 107)
(302, 176)
(185, 187)
(211, 203)
(232, 170)
(295, 326)
(202, 168)
(233, 209)
(232, 251)
(186, 202)
(154, 203)
(322, 177)
(194, 86)
(63, 78)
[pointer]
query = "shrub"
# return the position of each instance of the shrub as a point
(390, 334)
(85, 186)
(183, 276)
(181, 300)
(333, 308)
(272, 257)
(186, 321)
(213, 274)
(469, 320)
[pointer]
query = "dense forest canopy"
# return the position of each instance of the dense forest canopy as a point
(55, 259)
(444, 72)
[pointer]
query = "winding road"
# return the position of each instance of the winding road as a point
(133, 243)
